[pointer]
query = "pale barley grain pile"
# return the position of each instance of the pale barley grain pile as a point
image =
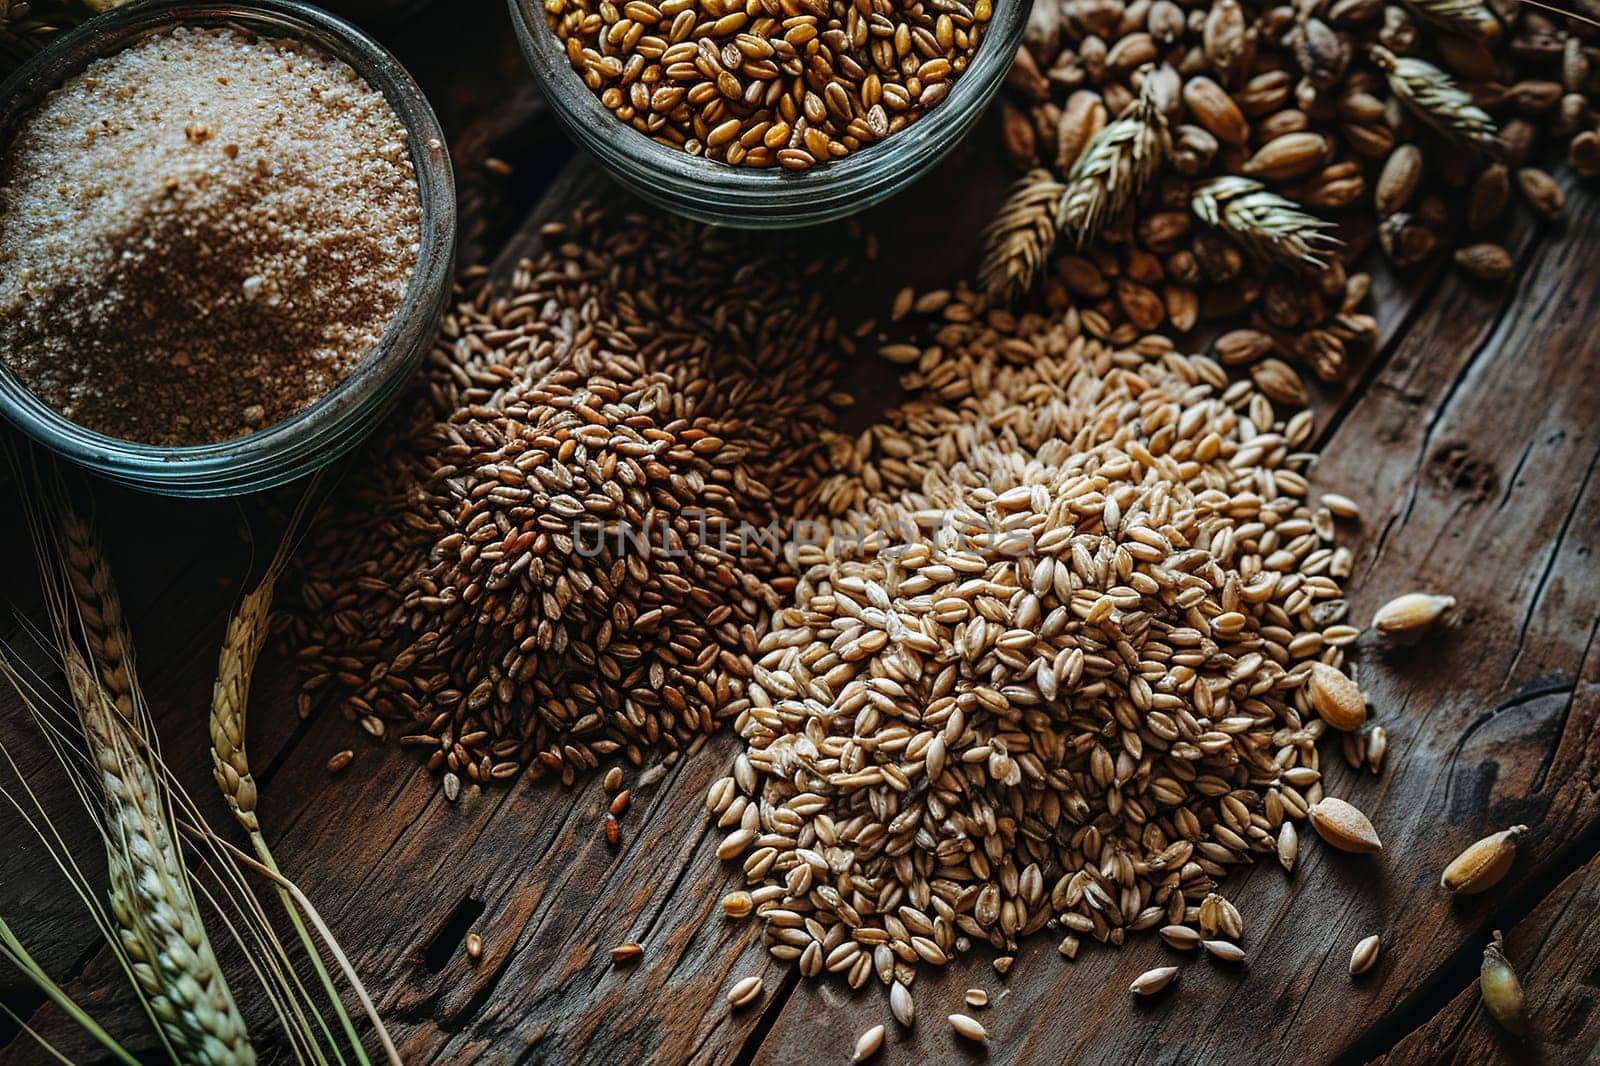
(1078, 698)
(550, 561)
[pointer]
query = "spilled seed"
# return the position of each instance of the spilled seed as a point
(1365, 956)
(1481, 866)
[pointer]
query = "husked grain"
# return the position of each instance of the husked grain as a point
(1051, 682)
(564, 551)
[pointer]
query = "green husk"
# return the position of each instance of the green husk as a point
(1114, 169)
(1272, 228)
(1435, 98)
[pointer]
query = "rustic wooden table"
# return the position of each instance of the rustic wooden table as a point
(1469, 439)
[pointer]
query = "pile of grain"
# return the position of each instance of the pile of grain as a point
(558, 556)
(1077, 697)
(1426, 120)
(202, 234)
(769, 84)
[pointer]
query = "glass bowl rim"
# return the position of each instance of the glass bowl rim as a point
(744, 191)
(300, 435)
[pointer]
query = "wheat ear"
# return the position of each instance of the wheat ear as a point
(1018, 241)
(99, 613)
(159, 925)
(1435, 98)
(1270, 227)
(1115, 168)
(158, 921)
(230, 702)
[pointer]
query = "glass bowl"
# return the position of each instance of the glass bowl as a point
(335, 423)
(754, 198)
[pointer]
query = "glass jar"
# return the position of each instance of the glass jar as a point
(336, 422)
(755, 198)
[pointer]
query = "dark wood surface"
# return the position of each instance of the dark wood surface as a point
(1470, 439)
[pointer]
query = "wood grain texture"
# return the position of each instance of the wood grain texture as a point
(1469, 439)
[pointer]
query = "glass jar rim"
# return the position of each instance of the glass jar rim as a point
(767, 198)
(325, 427)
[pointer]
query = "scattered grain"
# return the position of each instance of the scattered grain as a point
(1335, 698)
(1344, 827)
(901, 1004)
(1181, 937)
(744, 992)
(1406, 618)
(968, 1028)
(1089, 734)
(868, 1044)
(1152, 981)
(562, 553)
(1500, 989)
(1365, 956)
(1483, 864)
(1225, 950)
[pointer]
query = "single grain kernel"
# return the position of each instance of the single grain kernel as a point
(1483, 864)
(1365, 956)
(1500, 989)
(744, 992)
(968, 1028)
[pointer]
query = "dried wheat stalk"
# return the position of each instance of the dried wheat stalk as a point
(158, 920)
(230, 760)
(101, 624)
(1018, 241)
(159, 924)
(230, 697)
(1114, 169)
(1271, 227)
(1433, 96)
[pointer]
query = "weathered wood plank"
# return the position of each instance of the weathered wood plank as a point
(1492, 723)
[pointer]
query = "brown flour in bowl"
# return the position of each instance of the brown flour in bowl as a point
(201, 235)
